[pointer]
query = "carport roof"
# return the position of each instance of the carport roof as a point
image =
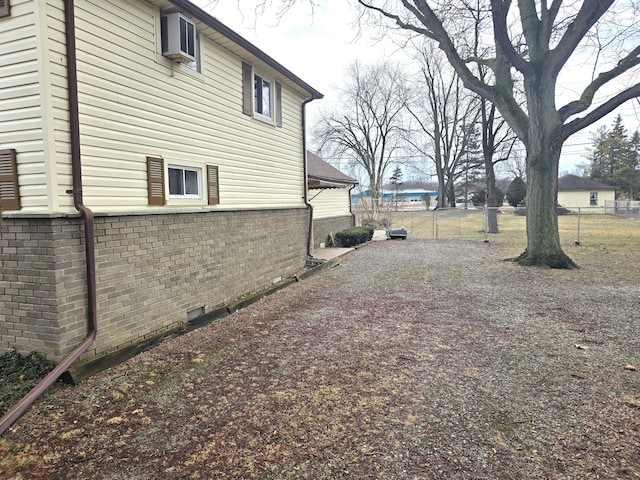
(320, 174)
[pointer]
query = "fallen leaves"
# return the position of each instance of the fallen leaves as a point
(365, 374)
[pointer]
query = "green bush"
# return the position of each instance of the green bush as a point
(19, 374)
(353, 236)
(516, 192)
(522, 211)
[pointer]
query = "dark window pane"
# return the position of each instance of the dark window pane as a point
(175, 182)
(190, 182)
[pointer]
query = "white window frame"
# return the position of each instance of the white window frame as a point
(258, 96)
(195, 65)
(184, 170)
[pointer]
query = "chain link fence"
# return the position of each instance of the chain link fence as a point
(505, 224)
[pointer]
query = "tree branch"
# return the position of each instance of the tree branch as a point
(500, 32)
(596, 114)
(586, 99)
(590, 12)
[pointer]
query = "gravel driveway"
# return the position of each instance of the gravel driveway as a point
(409, 360)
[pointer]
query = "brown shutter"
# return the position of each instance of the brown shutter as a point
(278, 104)
(9, 188)
(212, 184)
(5, 10)
(247, 89)
(155, 180)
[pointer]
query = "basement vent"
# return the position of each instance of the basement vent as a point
(193, 314)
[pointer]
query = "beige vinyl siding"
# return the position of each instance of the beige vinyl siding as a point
(581, 198)
(22, 102)
(329, 202)
(135, 103)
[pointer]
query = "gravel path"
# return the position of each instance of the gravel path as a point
(409, 360)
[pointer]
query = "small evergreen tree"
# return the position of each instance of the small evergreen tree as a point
(516, 192)
(396, 181)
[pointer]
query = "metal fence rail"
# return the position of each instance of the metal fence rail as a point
(623, 208)
(576, 224)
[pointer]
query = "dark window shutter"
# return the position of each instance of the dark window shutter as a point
(155, 180)
(5, 10)
(278, 104)
(212, 185)
(247, 90)
(9, 189)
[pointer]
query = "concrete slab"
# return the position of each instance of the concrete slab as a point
(330, 253)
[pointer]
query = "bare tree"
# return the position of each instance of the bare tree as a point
(369, 127)
(515, 166)
(533, 42)
(497, 139)
(444, 114)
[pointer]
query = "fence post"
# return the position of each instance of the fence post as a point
(486, 224)
(435, 224)
(578, 240)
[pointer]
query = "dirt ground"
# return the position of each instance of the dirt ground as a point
(409, 360)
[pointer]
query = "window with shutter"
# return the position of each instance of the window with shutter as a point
(155, 180)
(9, 189)
(261, 96)
(212, 185)
(4, 8)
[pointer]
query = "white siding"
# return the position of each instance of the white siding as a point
(22, 102)
(329, 202)
(134, 104)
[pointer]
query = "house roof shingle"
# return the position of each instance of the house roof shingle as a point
(322, 173)
(573, 182)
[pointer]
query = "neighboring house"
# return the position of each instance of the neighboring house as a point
(574, 192)
(182, 146)
(329, 195)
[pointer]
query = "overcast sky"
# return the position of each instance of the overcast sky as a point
(319, 46)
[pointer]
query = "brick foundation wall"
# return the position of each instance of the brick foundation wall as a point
(39, 258)
(323, 226)
(151, 270)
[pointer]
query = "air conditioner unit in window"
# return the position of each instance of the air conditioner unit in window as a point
(178, 37)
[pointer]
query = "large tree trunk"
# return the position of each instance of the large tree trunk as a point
(543, 159)
(543, 239)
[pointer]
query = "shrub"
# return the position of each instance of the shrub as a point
(353, 236)
(516, 192)
(522, 211)
(376, 224)
(19, 374)
(479, 198)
